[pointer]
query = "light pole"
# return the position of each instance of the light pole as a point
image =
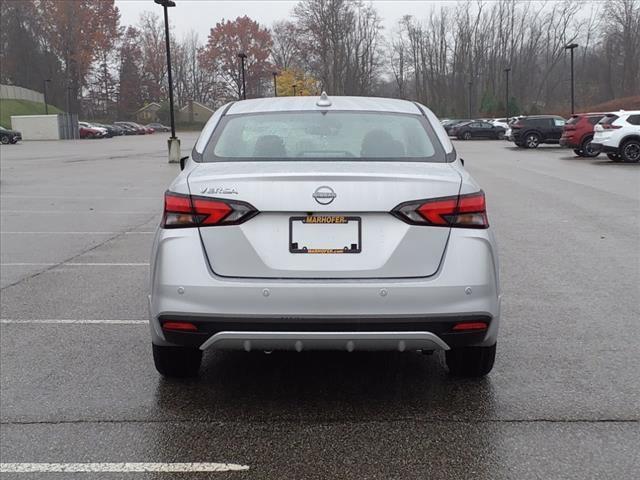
(173, 143)
(294, 89)
(571, 47)
(275, 84)
(242, 56)
(506, 71)
(470, 85)
(46, 105)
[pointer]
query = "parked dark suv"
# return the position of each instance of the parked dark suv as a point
(529, 132)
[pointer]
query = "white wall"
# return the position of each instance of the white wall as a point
(36, 127)
(19, 93)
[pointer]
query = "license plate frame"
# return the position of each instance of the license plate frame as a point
(320, 220)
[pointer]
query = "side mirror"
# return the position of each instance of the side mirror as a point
(462, 161)
(183, 160)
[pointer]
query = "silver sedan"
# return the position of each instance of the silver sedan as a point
(310, 223)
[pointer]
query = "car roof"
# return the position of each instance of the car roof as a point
(292, 104)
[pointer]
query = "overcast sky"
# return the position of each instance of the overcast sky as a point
(201, 15)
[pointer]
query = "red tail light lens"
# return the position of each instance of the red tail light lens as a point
(183, 211)
(463, 211)
(469, 326)
(179, 326)
(608, 126)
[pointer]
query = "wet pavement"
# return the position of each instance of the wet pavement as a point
(562, 402)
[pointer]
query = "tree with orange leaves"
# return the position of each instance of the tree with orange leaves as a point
(220, 56)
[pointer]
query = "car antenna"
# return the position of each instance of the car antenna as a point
(324, 100)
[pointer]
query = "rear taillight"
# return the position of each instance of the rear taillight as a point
(608, 126)
(463, 211)
(183, 211)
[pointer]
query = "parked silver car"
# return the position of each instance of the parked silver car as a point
(306, 223)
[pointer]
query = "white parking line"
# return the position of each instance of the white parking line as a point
(73, 264)
(119, 467)
(77, 233)
(69, 321)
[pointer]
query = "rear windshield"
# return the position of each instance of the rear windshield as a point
(608, 119)
(319, 135)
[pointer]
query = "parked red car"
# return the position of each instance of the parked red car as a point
(90, 132)
(578, 133)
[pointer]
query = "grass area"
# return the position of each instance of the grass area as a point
(21, 107)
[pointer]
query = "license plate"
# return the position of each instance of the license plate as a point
(325, 234)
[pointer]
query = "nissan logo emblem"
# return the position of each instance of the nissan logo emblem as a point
(324, 195)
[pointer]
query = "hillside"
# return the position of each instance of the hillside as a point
(21, 107)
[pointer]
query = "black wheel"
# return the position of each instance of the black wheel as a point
(500, 136)
(588, 150)
(466, 136)
(614, 157)
(532, 140)
(4, 139)
(519, 144)
(630, 151)
(470, 361)
(177, 362)
(578, 152)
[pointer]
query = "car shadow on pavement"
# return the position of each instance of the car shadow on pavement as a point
(326, 386)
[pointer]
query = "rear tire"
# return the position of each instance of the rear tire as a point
(614, 157)
(587, 150)
(630, 151)
(473, 362)
(4, 139)
(532, 140)
(500, 136)
(177, 362)
(466, 136)
(578, 152)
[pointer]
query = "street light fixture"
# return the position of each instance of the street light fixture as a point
(571, 47)
(275, 84)
(46, 102)
(506, 71)
(173, 143)
(242, 56)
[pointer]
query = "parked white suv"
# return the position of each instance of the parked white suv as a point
(618, 135)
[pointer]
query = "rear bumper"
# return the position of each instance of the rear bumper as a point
(604, 148)
(465, 288)
(569, 143)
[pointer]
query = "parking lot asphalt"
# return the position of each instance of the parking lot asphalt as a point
(77, 221)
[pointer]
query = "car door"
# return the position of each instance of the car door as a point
(474, 128)
(557, 126)
(486, 130)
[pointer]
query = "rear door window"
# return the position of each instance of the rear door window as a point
(634, 119)
(594, 120)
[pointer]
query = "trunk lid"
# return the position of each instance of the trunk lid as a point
(363, 193)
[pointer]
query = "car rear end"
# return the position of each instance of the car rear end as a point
(324, 228)
(573, 131)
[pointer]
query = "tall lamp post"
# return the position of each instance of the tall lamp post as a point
(46, 102)
(275, 84)
(294, 89)
(242, 56)
(506, 71)
(173, 142)
(470, 85)
(571, 47)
